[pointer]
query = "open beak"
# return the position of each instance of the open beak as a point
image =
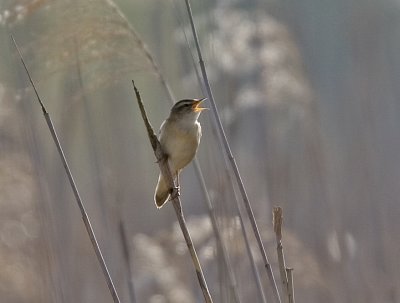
(196, 105)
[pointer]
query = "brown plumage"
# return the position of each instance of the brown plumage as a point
(179, 137)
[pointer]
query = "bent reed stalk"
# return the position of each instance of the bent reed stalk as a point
(162, 161)
(79, 201)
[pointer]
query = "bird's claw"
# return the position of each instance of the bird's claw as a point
(174, 192)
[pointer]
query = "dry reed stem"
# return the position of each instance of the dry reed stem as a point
(277, 222)
(209, 205)
(79, 201)
(176, 202)
(289, 273)
(232, 161)
(196, 164)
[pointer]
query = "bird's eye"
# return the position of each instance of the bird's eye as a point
(185, 105)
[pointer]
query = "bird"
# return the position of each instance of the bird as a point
(179, 137)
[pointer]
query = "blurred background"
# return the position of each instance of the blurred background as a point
(308, 95)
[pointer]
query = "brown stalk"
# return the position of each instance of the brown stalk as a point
(283, 270)
(79, 201)
(222, 137)
(176, 202)
(289, 273)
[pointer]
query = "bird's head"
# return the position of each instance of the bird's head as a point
(188, 108)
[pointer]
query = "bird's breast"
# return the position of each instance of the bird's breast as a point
(180, 144)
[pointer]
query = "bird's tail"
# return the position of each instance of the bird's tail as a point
(162, 192)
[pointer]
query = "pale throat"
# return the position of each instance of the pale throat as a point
(188, 121)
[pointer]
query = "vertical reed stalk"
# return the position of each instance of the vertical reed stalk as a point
(232, 160)
(285, 273)
(289, 273)
(208, 202)
(277, 220)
